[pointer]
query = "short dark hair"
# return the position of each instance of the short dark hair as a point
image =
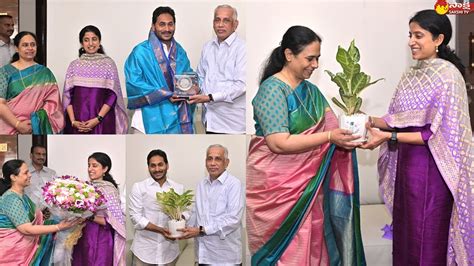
(37, 146)
(162, 10)
(6, 16)
(154, 153)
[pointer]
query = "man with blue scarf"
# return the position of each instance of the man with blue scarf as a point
(149, 73)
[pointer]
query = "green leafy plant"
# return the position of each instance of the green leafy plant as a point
(351, 81)
(174, 204)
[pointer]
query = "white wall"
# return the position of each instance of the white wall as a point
(27, 16)
(123, 25)
(380, 29)
(186, 157)
(67, 154)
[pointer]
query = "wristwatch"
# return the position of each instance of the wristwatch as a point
(201, 230)
(100, 118)
(393, 139)
(210, 97)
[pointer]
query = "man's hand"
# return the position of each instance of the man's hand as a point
(199, 99)
(189, 232)
(165, 233)
(176, 99)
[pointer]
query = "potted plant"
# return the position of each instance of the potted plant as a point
(173, 205)
(351, 82)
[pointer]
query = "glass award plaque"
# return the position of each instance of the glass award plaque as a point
(186, 85)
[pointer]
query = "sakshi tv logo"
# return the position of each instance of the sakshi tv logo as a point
(444, 7)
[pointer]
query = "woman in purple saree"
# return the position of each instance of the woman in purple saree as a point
(92, 95)
(427, 168)
(103, 237)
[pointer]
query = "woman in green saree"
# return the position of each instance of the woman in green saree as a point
(24, 239)
(302, 190)
(29, 95)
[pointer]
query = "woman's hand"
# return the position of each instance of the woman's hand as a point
(343, 137)
(90, 124)
(24, 127)
(376, 138)
(66, 224)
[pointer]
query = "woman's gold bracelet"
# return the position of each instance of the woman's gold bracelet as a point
(17, 123)
(329, 136)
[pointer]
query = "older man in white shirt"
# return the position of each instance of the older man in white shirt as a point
(216, 220)
(221, 72)
(40, 174)
(152, 244)
(7, 49)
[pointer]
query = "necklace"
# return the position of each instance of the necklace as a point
(300, 100)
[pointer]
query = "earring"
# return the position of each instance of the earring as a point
(437, 49)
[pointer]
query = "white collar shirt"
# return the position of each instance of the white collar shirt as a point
(219, 208)
(151, 247)
(38, 180)
(221, 72)
(6, 52)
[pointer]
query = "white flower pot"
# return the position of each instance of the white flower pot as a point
(356, 124)
(174, 225)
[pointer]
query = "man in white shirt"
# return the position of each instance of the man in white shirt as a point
(7, 49)
(152, 244)
(216, 219)
(221, 73)
(40, 174)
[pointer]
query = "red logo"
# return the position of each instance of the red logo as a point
(444, 7)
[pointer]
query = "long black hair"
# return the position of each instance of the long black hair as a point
(438, 24)
(105, 161)
(296, 38)
(96, 31)
(16, 42)
(9, 168)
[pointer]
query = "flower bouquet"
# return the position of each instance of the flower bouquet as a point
(71, 198)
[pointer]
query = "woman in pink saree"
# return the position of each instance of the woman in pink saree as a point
(24, 239)
(302, 191)
(29, 95)
(426, 163)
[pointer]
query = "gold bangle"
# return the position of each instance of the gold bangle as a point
(57, 227)
(17, 123)
(329, 136)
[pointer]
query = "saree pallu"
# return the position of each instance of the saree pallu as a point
(434, 94)
(150, 83)
(303, 209)
(88, 80)
(19, 249)
(103, 245)
(32, 94)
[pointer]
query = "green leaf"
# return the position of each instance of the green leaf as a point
(330, 74)
(342, 57)
(339, 104)
(341, 82)
(354, 52)
(357, 105)
(173, 204)
(359, 82)
(371, 83)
